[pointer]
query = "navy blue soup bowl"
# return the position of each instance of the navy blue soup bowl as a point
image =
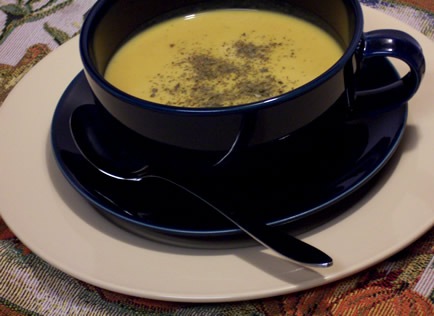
(221, 129)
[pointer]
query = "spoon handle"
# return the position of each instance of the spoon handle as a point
(280, 241)
(273, 238)
(89, 115)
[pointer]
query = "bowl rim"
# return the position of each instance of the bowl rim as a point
(96, 13)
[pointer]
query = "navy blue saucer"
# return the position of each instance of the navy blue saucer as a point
(283, 183)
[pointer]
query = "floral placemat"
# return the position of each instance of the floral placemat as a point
(401, 285)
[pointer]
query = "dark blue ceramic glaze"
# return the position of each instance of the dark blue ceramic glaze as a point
(109, 23)
(299, 181)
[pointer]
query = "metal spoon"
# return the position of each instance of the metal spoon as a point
(130, 167)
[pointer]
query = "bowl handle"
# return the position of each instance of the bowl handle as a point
(394, 44)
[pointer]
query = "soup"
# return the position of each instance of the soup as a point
(222, 57)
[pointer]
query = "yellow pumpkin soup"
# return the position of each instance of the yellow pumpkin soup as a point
(222, 58)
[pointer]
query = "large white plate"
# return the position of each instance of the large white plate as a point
(49, 216)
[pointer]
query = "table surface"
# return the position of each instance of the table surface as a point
(400, 285)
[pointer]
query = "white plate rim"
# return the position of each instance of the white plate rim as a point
(81, 243)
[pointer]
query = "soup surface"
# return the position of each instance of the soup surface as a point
(222, 58)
